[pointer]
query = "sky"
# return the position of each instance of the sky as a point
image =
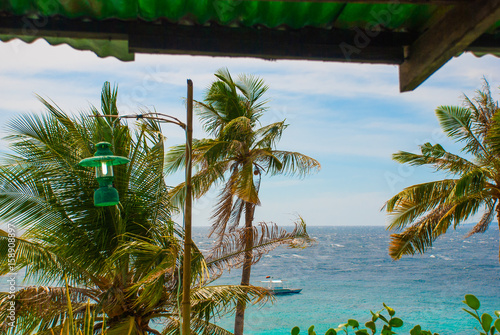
(351, 117)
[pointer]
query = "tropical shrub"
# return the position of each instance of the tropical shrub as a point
(352, 326)
(489, 326)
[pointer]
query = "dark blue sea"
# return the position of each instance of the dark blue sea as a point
(348, 272)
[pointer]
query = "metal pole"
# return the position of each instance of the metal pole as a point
(186, 266)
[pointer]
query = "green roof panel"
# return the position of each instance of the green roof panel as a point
(226, 12)
(384, 16)
(102, 48)
(174, 25)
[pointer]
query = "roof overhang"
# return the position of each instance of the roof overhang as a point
(454, 27)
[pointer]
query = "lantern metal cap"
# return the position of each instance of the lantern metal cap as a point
(103, 154)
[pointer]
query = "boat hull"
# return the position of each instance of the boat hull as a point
(284, 291)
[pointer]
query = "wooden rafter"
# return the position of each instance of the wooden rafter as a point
(447, 38)
(306, 43)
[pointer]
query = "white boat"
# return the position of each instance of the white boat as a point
(277, 287)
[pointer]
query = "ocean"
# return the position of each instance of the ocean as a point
(348, 272)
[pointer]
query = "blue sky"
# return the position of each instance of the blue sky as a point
(350, 117)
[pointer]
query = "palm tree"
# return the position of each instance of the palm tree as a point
(239, 153)
(122, 263)
(426, 211)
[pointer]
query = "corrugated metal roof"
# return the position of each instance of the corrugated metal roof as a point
(303, 29)
(231, 13)
(247, 13)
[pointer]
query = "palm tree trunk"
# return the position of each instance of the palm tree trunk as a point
(239, 320)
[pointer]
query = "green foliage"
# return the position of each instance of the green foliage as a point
(122, 263)
(472, 302)
(421, 213)
(489, 325)
(352, 326)
(74, 326)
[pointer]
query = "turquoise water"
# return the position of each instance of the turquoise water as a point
(348, 273)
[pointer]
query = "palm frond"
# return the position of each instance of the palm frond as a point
(486, 219)
(416, 200)
(220, 300)
(457, 123)
(472, 182)
(269, 135)
(43, 308)
(292, 163)
(201, 182)
(202, 150)
(221, 215)
(126, 326)
(237, 129)
(199, 326)
(154, 263)
(436, 156)
(253, 88)
(483, 108)
(202, 327)
(419, 236)
(209, 115)
(230, 252)
(244, 186)
(493, 136)
(175, 158)
(41, 260)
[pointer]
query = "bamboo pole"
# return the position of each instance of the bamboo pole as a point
(186, 267)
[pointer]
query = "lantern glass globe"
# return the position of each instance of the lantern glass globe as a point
(103, 162)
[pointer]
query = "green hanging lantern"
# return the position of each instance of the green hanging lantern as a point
(103, 161)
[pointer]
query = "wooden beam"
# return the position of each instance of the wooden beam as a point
(215, 40)
(447, 38)
(305, 43)
(486, 44)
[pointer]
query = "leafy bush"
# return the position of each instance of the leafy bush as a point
(485, 320)
(488, 325)
(388, 324)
